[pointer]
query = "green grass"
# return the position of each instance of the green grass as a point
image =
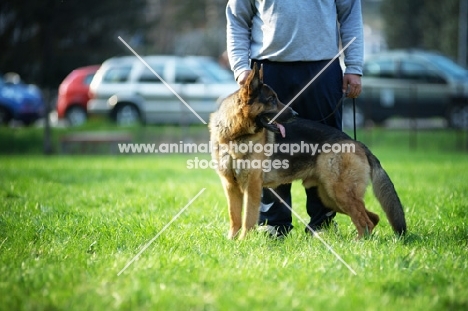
(69, 224)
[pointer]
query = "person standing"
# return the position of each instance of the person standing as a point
(294, 40)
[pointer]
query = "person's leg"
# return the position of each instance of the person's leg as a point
(320, 216)
(272, 211)
(319, 103)
(275, 213)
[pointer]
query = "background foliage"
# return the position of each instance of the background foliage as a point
(427, 24)
(44, 40)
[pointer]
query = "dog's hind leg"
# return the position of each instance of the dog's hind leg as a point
(344, 178)
(350, 201)
(234, 198)
(360, 217)
(373, 217)
(252, 197)
(353, 205)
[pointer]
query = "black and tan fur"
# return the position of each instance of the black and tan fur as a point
(341, 178)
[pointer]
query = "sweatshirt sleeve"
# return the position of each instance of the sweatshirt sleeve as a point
(350, 20)
(239, 14)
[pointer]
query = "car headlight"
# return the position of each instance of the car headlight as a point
(112, 101)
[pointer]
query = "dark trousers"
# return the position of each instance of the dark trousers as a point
(318, 103)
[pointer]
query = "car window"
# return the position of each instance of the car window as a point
(184, 74)
(217, 73)
(413, 70)
(380, 68)
(148, 76)
(117, 74)
(448, 66)
(87, 80)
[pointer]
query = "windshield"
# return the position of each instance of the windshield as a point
(449, 67)
(218, 73)
(210, 70)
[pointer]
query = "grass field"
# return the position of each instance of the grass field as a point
(69, 224)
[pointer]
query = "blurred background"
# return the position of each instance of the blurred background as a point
(44, 42)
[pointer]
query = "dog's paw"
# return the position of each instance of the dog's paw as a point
(232, 234)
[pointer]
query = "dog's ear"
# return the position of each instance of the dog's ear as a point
(253, 82)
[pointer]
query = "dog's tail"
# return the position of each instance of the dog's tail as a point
(386, 194)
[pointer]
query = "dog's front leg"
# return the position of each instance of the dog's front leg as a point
(252, 197)
(234, 198)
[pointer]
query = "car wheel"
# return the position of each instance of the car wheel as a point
(348, 117)
(458, 117)
(127, 114)
(76, 116)
(464, 117)
(5, 116)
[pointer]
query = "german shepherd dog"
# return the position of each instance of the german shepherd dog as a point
(245, 118)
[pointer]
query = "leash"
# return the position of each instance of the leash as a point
(336, 109)
(354, 117)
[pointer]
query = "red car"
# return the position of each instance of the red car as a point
(73, 95)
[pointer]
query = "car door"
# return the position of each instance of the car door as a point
(430, 92)
(160, 105)
(200, 91)
(384, 94)
(193, 91)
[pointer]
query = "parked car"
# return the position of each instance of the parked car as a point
(19, 101)
(412, 84)
(73, 95)
(125, 89)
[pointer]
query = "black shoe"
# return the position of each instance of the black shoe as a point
(275, 232)
(325, 226)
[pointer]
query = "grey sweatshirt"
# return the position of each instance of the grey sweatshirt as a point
(293, 30)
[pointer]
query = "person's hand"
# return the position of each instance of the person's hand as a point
(352, 85)
(242, 77)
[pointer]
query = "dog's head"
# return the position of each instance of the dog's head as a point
(262, 103)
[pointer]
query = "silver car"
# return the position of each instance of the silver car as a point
(125, 89)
